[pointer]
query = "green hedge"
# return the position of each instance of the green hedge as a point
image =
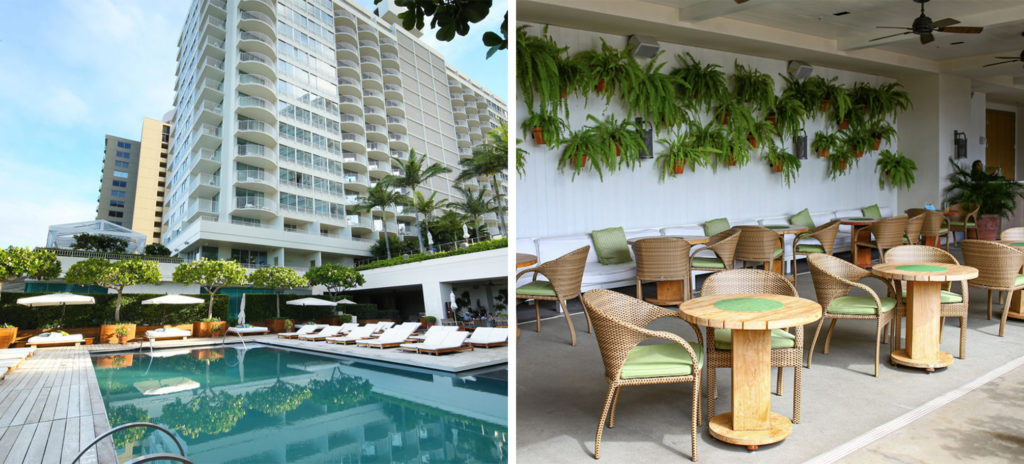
(261, 307)
(360, 311)
(132, 310)
(482, 246)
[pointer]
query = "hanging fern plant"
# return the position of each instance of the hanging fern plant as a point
(754, 87)
(707, 83)
(656, 97)
(537, 73)
(610, 69)
(895, 169)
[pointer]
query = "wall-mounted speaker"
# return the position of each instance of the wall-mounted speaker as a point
(799, 69)
(643, 46)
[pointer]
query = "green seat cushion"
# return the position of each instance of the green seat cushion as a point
(778, 251)
(780, 339)
(961, 224)
(946, 297)
(859, 305)
(537, 288)
(802, 218)
(871, 211)
(1019, 280)
(808, 248)
(664, 360)
(943, 231)
(715, 226)
(610, 246)
(699, 261)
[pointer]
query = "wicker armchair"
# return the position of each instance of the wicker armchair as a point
(661, 259)
(998, 268)
(952, 304)
(787, 348)
(821, 239)
(833, 280)
(934, 227)
(620, 323)
(723, 244)
(565, 275)
(759, 244)
(1013, 233)
(965, 221)
(912, 234)
(888, 234)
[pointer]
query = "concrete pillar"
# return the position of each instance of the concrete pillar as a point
(435, 295)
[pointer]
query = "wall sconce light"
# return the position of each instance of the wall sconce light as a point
(959, 144)
(647, 132)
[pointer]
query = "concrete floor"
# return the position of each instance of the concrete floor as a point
(560, 390)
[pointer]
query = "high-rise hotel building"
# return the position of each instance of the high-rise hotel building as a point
(288, 111)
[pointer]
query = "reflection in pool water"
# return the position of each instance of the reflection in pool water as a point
(268, 405)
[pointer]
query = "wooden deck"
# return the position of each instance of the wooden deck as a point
(50, 407)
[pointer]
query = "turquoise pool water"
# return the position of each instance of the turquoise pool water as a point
(267, 405)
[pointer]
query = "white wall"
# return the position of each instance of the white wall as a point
(976, 149)
(954, 114)
(550, 202)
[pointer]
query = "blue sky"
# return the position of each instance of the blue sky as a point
(75, 70)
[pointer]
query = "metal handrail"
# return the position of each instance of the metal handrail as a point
(159, 457)
(132, 425)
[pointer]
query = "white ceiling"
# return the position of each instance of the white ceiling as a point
(809, 30)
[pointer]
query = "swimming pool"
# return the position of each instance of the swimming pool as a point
(268, 405)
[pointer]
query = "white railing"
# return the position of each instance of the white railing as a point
(260, 203)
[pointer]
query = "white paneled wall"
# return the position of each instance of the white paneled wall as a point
(552, 203)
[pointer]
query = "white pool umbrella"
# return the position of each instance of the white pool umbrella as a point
(310, 301)
(57, 299)
(451, 296)
(173, 300)
(347, 301)
(465, 231)
(241, 312)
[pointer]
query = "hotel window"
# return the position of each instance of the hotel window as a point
(117, 203)
(117, 193)
(120, 174)
(123, 154)
(121, 164)
(119, 183)
(124, 145)
(115, 213)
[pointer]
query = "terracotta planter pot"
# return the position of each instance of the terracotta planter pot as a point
(752, 140)
(618, 150)
(426, 324)
(275, 325)
(203, 355)
(842, 164)
(108, 333)
(679, 168)
(725, 119)
(600, 86)
(732, 162)
(988, 226)
(114, 362)
(825, 104)
(7, 336)
(538, 135)
(122, 340)
(772, 119)
(777, 167)
(823, 153)
(564, 95)
(206, 329)
(844, 124)
(575, 159)
(860, 154)
(878, 144)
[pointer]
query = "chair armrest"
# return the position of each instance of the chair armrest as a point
(878, 302)
(673, 338)
(533, 270)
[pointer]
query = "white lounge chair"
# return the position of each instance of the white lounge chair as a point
(305, 330)
(347, 327)
(17, 353)
(453, 341)
(384, 325)
(3, 372)
(433, 330)
(250, 330)
(431, 338)
(392, 337)
(167, 333)
(55, 339)
(10, 363)
(329, 331)
(488, 337)
(358, 333)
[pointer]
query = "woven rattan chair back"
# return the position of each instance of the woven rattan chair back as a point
(747, 281)
(1013, 233)
(967, 212)
(932, 225)
(724, 245)
(662, 258)
(919, 254)
(913, 230)
(998, 265)
(566, 272)
(826, 234)
(911, 212)
(889, 232)
(757, 244)
(826, 272)
(617, 318)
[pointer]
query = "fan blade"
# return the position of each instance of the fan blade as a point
(1006, 57)
(740, 2)
(944, 23)
(893, 27)
(927, 39)
(1001, 62)
(892, 35)
(961, 30)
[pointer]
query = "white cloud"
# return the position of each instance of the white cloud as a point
(38, 196)
(65, 107)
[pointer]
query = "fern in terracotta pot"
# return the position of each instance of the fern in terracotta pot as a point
(656, 97)
(895, 169)
(537, 70)
(825, 143)
(579, 150)
(754, 87)
(545, 128)
(611, 69)
(708, 84)
(782, 162)
(681, 151)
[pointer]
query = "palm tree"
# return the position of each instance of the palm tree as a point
(490, 159)
(416, 171)
(473, 207)
(382, 196)
(427, 207)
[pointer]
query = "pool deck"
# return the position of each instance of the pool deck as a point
(50, 407)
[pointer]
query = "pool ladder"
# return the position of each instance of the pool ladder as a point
(147, 458)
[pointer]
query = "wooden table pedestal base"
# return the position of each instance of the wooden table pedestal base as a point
(901, 357)
(1016, 308)
(922, 329)
(779, 428)
(670, 293)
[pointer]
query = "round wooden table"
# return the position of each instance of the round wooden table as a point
(525, 259)
(861, 257)
(924, 283)
(751, 318)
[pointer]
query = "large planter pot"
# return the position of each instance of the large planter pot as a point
(7, 336)
(114, 362)
(205, 329)
(988, 227)
(275, 325)
(108, 333)
(208, 354)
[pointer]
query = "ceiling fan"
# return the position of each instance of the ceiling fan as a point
(1009, 59)
(923, 26)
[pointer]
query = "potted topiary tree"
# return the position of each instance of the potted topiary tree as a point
(19, 263)
(212, 276)
(994, 195)
(278, 278)
(114, 276)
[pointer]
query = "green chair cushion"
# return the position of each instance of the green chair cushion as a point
(664, 360)
(961, 224)
(809, 248)
(1019, 280)
(537, 288)
(610, 246)
(715, 226)
(871, 211)
(946, 297)
(778, 251)
(700, 261)
(780, 339)
(943, 231)
(803, 218)
(859, 305)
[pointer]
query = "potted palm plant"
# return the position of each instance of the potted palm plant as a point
(707, 83)
(896, 169)
(680, 151)
(825, 142)
(546, 128)
(754, 87)
(994, 195)
(782, 162)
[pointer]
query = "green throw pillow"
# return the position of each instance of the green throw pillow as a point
(715, 226)
(871, 212)
(803, 219)
(610, 246)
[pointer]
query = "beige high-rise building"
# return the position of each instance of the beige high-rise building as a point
(134, 180)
